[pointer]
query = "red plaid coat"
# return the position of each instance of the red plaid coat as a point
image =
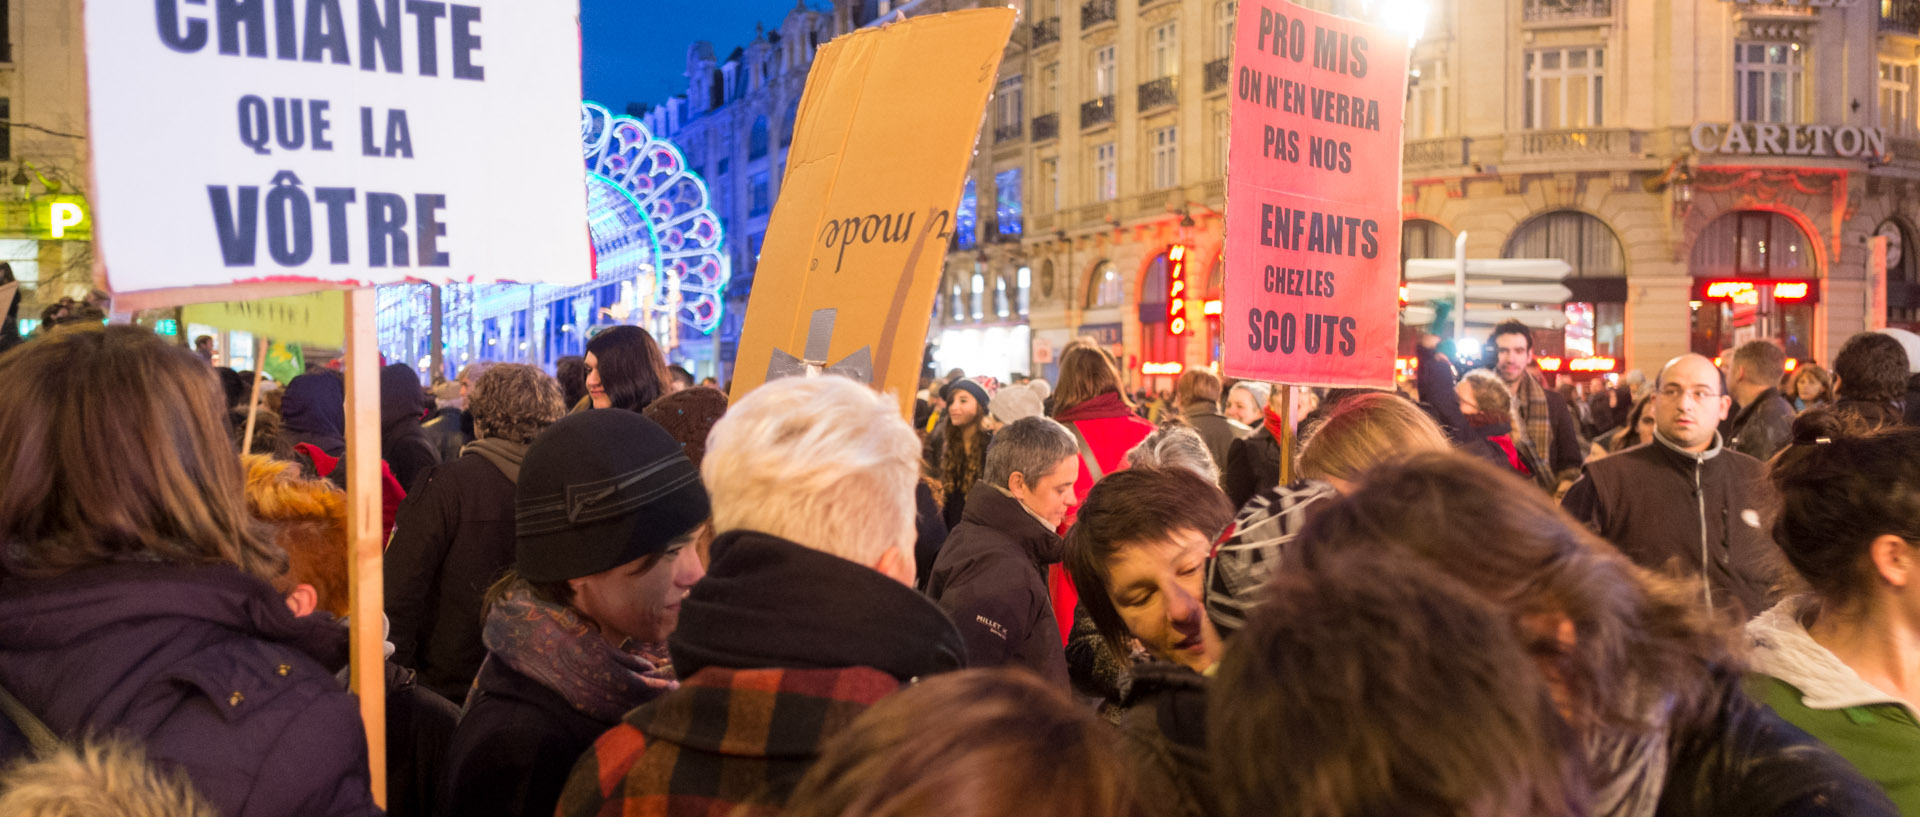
(714, 744)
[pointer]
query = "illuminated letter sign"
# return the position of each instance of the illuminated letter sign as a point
(1592, 364)
(1790, 291)
(1177, 290)
(1161, 368)
(62, 215)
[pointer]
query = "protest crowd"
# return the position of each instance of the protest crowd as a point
(1693, 592)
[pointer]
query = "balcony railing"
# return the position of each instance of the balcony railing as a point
(1217, 74)
(1096, 12)
(1007, 132)
(1146, 3)
(1544, 10)
(1046, 126)
(1902, 16)
(1584, 142)
(1434, 153)
(1046, 31)
(1159, 93)
(1096, 112)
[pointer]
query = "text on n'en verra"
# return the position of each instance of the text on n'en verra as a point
(318, 32)
(1290, 228)
(1288, 96)
(1322, 153)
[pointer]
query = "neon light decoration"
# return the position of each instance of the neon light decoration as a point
(637, 184)
(1161, 368)
(1177, 290)
(1748, 292)
(1790, 291)
(1577, 364)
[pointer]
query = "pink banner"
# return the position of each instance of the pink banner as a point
(1313, 198)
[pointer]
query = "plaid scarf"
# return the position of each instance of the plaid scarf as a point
(554, 646)
(1536, 421)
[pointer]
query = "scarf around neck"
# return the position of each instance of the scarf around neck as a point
(1098, 407)
(556, 647)
(1536, 419)
(1275, 424)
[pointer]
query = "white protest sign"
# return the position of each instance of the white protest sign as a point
(299, 144)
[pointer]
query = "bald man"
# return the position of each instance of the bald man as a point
(1685, 504)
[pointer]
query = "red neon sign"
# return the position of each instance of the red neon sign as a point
(1747, 293)
(1177, 290)
(1161, 368)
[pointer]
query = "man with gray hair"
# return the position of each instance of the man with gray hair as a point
(991, 576)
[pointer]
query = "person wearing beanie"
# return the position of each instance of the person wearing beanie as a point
(454, 534)
(806, 617)
(962, 452)
(603, 509)
(689, 415)
(1013, 404)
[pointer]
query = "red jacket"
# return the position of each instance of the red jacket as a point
(1111, 429)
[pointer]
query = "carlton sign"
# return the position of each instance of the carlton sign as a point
(1769, 139)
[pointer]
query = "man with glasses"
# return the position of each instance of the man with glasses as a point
(1685, 504)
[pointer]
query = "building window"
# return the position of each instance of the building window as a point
(965, 220)
(1768, 82)
(979, 294)
(788, 122)
(1586, 243)
(1007, 208)
(1106, 172)
(1023, 282)
(1222, 126)
(1565, 88)
(1049, 101)
(6, 114)
(1896, 98)
(1103, 72)
(1903, 284)
(722, 171)
(1105, 289)
(1223, 13)
(1747, 245)
(1009, 102)
(1002, 305)
(957, 296)
(1427, 114)
(1163, 51)
(1420, 238)
(759, 202)
(757, 139)
(1050, 184)
(1166, 157)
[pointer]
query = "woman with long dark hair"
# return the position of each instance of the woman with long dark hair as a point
(963, 455)
(135, 585)
(625, 369)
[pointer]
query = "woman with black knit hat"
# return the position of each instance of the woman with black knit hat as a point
(575, 635)
(963, 454)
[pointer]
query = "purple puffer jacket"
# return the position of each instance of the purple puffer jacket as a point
(204, 665)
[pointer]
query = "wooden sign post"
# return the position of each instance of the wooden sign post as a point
(365, 587)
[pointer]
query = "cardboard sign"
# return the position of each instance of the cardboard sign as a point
(302, 145)
(858, 238)
(1313, 198)
(319, 319)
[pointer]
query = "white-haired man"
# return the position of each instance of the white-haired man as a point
(807, 614)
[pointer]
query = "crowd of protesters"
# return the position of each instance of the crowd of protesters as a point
(611, 591)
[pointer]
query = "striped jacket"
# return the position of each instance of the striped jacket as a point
(714, 744)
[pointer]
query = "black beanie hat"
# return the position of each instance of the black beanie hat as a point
(600, 489)
(969, 386)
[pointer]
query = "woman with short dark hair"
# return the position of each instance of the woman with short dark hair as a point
(134, 584)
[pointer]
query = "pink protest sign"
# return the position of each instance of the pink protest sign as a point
(1313, 198)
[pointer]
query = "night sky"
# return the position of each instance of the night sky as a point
(636, 50)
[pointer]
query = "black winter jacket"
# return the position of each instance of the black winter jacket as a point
(1746, 761)
(1218, 432)
(1763, 427)
(1686, 515)
(453, 537)
(1253, 465)
(990, 578)
(448, 431)
(515, 746)
(1163, 738)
